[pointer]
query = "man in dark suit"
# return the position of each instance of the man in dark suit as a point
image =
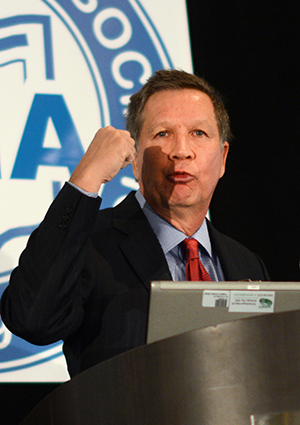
(84, 276)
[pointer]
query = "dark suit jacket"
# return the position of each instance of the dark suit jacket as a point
(85, 274)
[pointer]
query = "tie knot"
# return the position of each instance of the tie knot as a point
(190, 248)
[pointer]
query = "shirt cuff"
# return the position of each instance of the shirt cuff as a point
(90, 194)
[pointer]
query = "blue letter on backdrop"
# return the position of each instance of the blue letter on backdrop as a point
(32, 153)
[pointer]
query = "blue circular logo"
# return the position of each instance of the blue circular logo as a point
(67, 68)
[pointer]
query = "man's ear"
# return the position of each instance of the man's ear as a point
(225, 150)
(135, 168)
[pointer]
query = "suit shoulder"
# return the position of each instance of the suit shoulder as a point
(237, 261)
(219, 238)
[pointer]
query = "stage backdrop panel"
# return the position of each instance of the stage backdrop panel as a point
(67, 67)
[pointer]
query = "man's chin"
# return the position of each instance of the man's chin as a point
(181, 199)
(181, 195)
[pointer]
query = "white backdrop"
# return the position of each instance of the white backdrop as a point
(67, 67)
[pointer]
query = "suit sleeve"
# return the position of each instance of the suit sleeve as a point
(44, 300)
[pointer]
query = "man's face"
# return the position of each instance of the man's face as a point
(180, 157)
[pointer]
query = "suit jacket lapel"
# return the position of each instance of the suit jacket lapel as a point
(141, 246)
(227, 258)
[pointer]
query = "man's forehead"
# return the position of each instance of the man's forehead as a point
(190, 91)
(163, 98)
(159, 106)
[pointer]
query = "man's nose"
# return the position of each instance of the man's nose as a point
(181, 148)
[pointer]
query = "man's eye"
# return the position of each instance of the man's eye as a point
(162, 134)
(199, 133)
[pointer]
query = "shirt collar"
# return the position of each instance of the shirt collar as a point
(167, 234)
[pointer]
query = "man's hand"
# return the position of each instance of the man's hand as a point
(109, 151)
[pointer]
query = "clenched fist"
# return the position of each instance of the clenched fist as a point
(110, 150)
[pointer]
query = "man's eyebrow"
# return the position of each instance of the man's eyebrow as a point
(153, 128)
(208, 124)
(196, 123)
(166, 124)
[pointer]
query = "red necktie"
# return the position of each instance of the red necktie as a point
(194, 269)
